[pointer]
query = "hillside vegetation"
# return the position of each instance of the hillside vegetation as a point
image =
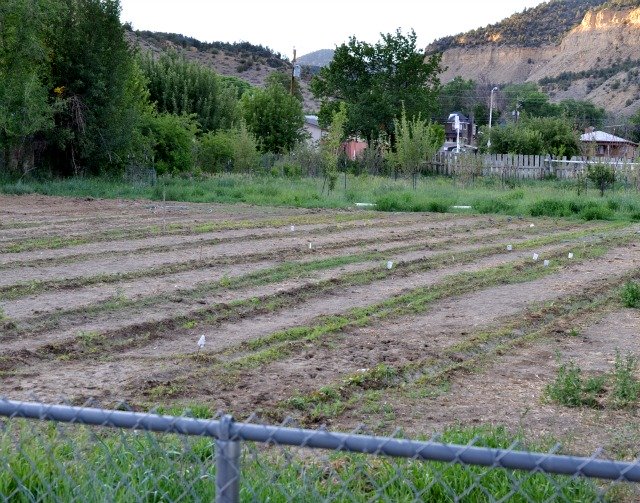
(546, 23)
(250, 63)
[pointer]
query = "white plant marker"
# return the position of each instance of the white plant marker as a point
(310, 246)
(201, 342)
(509, 247)
(570, 255)
(532, 226)
(546, 263)
(390, 264)
(293, 228)
(535, 257)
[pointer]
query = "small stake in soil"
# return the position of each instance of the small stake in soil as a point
(535, 257)
(310, 246)
(546, 263)
(570, 256)
(201, 343)
(293, 228)
(390, 264)
(509, 247)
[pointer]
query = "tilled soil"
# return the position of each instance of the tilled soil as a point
(148, 353)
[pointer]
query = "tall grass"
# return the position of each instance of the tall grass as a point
(73, 463)
(433, 194)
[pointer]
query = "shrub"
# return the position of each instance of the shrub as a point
(631, 295)
(215, 151)
(570, 389)
(596, 212)
(602, 176)
(550, 208)
(567, 387)
(626, 387)
(174, 138)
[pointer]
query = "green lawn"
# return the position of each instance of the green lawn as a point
(436, 194)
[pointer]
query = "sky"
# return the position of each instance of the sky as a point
(309, 26)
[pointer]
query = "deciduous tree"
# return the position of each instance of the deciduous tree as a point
(374, 81)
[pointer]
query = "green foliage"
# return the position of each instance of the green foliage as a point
(602, 175)
(215, 151)
(631, 295)
(245, 149)
(375, 81)
(283, 79)
(271, 58)
(26, 107)
(103, 98)
(570, 389)
(274, 117)
(458, 95)
(236, 148)
(535, 136)
(330, 146)
(546, 23)
(626, 386)
(47, 463)
(181, 87)
(531, 102)
(416, 143)
(174, 142)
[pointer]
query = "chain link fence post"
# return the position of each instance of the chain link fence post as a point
(227, 464)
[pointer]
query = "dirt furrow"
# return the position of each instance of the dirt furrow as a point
(291, 246)
(445, 323)
(89, 251)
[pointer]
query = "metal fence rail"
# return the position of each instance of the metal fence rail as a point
(229, 435)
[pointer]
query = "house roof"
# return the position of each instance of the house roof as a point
(602, 137)
(463, 118)
(312, 120)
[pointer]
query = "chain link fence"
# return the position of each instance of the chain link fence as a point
(85, 454)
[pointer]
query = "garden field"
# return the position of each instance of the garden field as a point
(304, 315)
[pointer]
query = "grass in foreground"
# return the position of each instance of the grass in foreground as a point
(434, 194)
(45, 462)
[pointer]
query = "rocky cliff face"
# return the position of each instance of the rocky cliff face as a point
(596, 60)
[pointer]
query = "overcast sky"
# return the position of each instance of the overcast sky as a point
(309, 26)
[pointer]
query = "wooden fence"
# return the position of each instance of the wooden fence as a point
(525, 166)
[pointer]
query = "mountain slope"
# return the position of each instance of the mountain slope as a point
(242, 60)
(318, 58)
(596, 59)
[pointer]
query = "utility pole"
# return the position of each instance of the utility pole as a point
(491, 115)
(295, 71)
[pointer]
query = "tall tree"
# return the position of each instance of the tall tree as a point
(97, 79)
(374, 81)
(26, 106)
(179, 87)
(274, 117)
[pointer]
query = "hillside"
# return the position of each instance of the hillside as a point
(317, 58)
(242, 60)
(596, 59)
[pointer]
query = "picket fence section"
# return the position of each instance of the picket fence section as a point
(525, 166)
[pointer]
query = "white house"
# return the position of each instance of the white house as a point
(313, 129)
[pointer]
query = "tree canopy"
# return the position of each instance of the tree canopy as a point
(375, 81)
(274, 117)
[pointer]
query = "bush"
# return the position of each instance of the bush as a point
(602, 176)
(571, 390)
(626, 387)
(215, 151)
(174, 139)
(631, 295)
(550, 208)
(596, 212)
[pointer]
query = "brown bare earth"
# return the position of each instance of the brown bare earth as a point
(106, 300)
